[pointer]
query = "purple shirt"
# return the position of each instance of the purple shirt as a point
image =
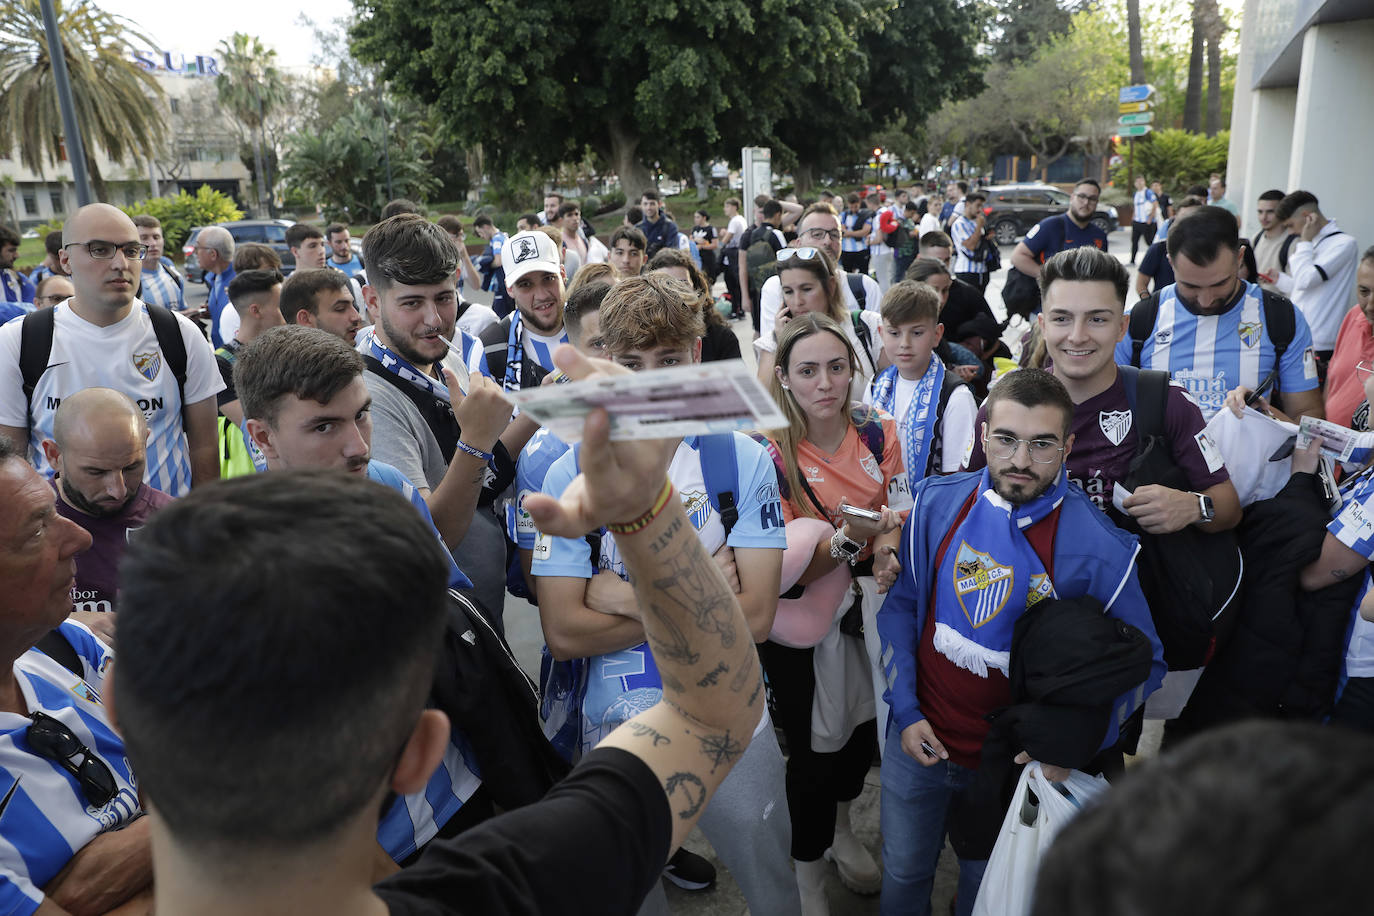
(97, 570)
(1105, 441)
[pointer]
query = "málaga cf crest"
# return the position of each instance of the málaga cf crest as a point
(981, 584)
(147, 364)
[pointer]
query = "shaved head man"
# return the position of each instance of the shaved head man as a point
(106, 337)
(99, 451)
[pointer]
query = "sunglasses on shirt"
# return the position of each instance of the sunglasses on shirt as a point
(52, 739)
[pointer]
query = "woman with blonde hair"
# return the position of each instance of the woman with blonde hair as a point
(835, 456)
(810, 284)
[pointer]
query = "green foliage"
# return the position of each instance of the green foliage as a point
(179, 214)
(1177, 158)
(53, 225)
(344, 167)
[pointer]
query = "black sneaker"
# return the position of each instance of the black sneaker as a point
(690, 871)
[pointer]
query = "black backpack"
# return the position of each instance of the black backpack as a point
(1191, 578)
(35, 346)
(1278, 322)
(760, 248)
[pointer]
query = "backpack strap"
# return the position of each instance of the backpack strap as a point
(856, 286)
(1281, 325)
(1142, 325)
(56, 647)
(870, 427)
(720, 472)
(35, 346)
(1283, 251)
(173, 347)
(865, 337)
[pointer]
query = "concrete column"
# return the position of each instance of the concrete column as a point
(1333, 129)
(1242, 115)
(1269, 149)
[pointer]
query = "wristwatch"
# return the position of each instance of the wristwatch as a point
(844, 549)
(1204, 503)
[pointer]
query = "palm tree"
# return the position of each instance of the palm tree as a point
(118, 104)
(250, 86)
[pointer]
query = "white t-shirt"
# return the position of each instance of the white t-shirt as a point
(123, 356)
(736, 227)
(476, 318)
(770, 300)
(956, 426)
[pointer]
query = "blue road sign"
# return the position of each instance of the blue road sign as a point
(1135, 93)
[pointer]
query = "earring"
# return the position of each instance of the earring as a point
(786, 387)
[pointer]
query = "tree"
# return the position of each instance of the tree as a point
(251, 86)
(1019, 27)
(345, 168)
(118, 104)
(1133, 35)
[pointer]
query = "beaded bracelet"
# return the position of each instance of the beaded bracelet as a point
(647, 519)
(474, 452)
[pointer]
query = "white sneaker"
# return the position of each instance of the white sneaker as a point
(858, 870)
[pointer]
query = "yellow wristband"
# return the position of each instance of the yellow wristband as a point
(647, 519)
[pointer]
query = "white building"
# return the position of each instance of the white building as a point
(202, 148)
(1302, 116)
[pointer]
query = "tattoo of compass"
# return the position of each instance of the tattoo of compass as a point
(720, 749)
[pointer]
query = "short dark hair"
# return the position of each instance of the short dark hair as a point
(1163, 839)
(297, 234)
(485, 220)
(1272, 194)
(410, 250)
(531, 219)
(309, 363)
(256, 256)
(1201, 236)
(1031, 388)
(398, 206)
(249, 284)
(631, 235)
(1294, 201)
(922, 269)
(334, 229)
(556, 195)
(912, 207)
(935, 239)
(812, 209)
(450, 224)
(1086, 265)
(771, 209)
(735, 201)
(568, 207)
(852, 198)
(8, 236)
(1092, 181)
(634, 215)
(975, 195)
(650, 194)
(908, 302)
(1198, 190)
(147, 221)
(582, 300)
(300, 290)
(222, 719)
(962, 186)
(52, 242)
(704, 214)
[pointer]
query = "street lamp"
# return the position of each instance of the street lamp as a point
(76, 148)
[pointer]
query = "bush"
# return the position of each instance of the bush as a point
(1177, 158)
(53, 226)
(179, 214)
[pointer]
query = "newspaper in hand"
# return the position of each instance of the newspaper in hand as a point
(695, 400)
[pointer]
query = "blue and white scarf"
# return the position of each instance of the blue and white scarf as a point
(393, 363)
(917, 424)
(988, 576)
(515, 353)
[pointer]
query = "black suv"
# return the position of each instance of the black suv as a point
(1012, 209)
(264, 231)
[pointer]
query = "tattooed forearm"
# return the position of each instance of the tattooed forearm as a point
(686, 790)
(671, 644)
(753, 697)
(663, 540)
(720, 749)
(645, 731)
(669, 682)
(700, 595)
(709, 680)
(741, 678)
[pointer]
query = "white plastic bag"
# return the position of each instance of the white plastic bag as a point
(1039, 809)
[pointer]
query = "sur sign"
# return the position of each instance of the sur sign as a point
(176, 62)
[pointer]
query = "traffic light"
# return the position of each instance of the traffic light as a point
(877, 152)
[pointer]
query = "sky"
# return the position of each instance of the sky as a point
(193, 29)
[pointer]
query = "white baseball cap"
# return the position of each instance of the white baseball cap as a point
(530, 251)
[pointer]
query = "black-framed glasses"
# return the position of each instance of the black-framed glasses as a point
(52, 739)
(105, 251)
(801, 254)
(817, 233)
(1003, 447)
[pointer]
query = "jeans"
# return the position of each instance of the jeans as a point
(915, 805)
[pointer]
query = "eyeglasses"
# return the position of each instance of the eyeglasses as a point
(105, 251)
(801, 254)
(1003, 447)
(50, 738)
(49, 300)
(1085, 197)
(818, 233)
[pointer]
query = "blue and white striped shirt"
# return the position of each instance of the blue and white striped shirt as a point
(966, 260)
(851, 221)
(160, 289)
(1212, 354)
(44, 817)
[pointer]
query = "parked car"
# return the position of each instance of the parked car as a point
(1012, 209)
(264, 231)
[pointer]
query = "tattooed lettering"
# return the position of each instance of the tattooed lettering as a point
(644, 731)
(663, 540)
(720, 749)
(753, 697)
(741, 678)
(713, 675)
(690, 791)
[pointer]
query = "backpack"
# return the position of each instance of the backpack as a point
(1191, 579)
(865, 337)
(760, 247)
(1278, 322)
(35, 346)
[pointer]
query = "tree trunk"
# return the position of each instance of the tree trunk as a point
(98, 186)
(804, 178)
(1215, 29)
(635, 177)
(699, 180)
(259, 175)
(1192, 100)
(1133, 33)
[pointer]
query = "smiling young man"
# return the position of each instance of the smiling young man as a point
(106, 336)
(1214, 332)
(979, 550)
(319, 298)
(1053, 234)
(446, 443)
(520, 347)
(593, 619)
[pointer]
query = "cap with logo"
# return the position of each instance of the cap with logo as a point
(529, 251)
